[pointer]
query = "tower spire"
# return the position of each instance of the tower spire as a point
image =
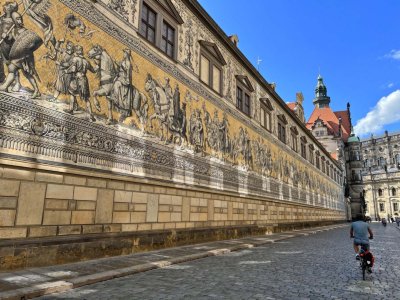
(321, 94)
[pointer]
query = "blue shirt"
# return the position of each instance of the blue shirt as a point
(360, 231)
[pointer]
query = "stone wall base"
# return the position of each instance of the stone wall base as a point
(39, 252)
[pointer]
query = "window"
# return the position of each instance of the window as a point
(323, 164)
(380, 192)
(211, 62)
(282, 132)
(294, 142)
(158, 23)
(148, 24)
(303, 146)
(243, 101)
(168, 39)
(317, 161)
(243, 90)
(393, 191)
(311, 153)
(395, 206)
(381, 207)
(266, 109)
(293, 137)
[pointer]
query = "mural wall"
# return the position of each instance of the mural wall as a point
(78, 90)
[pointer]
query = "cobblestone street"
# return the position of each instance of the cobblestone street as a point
(317, 266)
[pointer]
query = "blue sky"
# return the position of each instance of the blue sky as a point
(355, 44)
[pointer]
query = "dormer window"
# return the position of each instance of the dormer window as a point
(158, 22)
(211, 63)
(243, 94)
(265, 113)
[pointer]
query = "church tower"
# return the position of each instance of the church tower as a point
(321, 94)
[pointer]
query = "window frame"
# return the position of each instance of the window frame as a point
(163, 15)
(244, 84)
(318, 160)
(294, 140)
(213, 62)
(266, 109)
(311, 154)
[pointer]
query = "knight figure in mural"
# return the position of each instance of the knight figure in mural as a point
(79, 84)
(122, 91)
(167, 110)
(245, 149)
(7, 39)
(63, 61)
(116, 85)
(24, 43)
(196, 133)
(223, 133)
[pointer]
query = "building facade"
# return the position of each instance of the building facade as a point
(333, 129)
(380, 157)
(142, 121)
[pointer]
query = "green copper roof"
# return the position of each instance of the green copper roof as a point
(321, 93)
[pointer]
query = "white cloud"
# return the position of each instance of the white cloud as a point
(394, 54)
(386, 111)
(390, 85)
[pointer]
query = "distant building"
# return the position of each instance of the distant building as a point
(381, 175)
(333, 129)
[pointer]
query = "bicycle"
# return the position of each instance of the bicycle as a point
(366, 260)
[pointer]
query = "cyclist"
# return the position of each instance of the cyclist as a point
(359, 231)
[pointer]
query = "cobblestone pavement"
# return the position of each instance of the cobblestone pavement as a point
(316, 266)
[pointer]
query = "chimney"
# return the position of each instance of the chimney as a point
(234, 39)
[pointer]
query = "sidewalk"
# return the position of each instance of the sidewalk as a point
(37, 282)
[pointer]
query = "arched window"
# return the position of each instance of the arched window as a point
(393, 191)
(380, 192)
(382, 161)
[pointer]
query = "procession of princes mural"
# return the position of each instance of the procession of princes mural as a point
(88, 79)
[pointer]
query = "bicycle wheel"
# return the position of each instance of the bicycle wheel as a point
(363, 272)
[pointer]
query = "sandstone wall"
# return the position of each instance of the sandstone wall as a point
(149, 162)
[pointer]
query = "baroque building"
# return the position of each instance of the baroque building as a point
(142, 121)
(380, 158)
(333, 129)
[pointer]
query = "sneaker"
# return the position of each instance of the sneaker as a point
(357, 257)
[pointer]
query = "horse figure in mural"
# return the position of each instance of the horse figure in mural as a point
(107, 71)
(167, 110)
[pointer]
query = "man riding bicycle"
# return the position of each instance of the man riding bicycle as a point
(359, 231)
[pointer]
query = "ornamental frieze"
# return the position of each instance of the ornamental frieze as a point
(67, 97)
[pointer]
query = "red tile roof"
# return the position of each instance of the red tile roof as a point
(291, 105)
(331, 120)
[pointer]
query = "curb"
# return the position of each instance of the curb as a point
(46, 288)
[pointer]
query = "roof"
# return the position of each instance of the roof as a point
(334, 155)
(291, 105)
(331, 120)
(345, 120)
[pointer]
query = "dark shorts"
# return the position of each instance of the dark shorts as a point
(361, 244)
